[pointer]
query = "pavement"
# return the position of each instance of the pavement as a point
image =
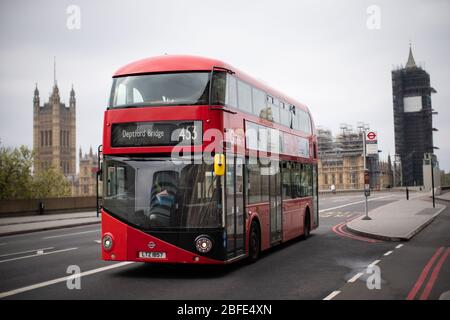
(444, 196)
(397, 221)
(26, 224)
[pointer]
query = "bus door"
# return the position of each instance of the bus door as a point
(235, 205)
(275, 202)
(315, 196)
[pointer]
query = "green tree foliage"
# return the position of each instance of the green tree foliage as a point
(17, 182)
(50, 183)
(15, 173)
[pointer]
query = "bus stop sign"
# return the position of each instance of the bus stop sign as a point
(371, 143)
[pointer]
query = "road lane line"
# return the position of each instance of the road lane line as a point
(38, 255)
(16, 253)
(399, 246)
(424, 274)
(63, 279)
(352, 203)
(71, 234)
(387, 253)
(434, 275)
(373, 263)
(328, 297)
(355, 277)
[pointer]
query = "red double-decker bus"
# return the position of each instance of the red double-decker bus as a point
(203, 164)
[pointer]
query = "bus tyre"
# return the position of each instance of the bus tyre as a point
(254, 243)
(307, 227)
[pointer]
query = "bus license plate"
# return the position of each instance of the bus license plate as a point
(152, 255)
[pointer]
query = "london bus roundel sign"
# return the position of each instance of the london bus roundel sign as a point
(371, 135)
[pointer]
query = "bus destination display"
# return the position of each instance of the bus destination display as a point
(139, 134)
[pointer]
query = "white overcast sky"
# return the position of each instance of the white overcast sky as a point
(319, 52)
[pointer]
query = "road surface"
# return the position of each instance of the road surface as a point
(331, 264)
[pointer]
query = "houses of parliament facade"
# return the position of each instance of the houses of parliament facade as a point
(54, 142)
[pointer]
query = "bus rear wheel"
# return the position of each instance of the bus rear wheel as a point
(307, 227)
(254, 243)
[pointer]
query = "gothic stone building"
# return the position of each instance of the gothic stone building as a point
(54, 133)
(88, 174)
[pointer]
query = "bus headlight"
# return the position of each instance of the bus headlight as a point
(203, 244)
(107, 242)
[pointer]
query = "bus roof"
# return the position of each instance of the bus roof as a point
(174, 63)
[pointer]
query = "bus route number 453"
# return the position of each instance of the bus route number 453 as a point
(189, 133)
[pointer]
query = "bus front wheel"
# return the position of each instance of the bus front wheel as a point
(254, 243)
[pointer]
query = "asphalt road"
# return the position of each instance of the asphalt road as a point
(34, 266)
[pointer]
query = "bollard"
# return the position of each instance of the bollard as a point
(41, 207)
(407, 193)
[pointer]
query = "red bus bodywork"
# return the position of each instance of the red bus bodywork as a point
(128, 240)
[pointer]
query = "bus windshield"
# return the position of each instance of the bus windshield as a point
(160, 193)
(185, 88)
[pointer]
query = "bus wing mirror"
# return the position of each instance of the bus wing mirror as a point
(219, 164)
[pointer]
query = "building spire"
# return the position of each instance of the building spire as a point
(411, 63)
(54, 70)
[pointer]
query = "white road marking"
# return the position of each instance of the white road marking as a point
(63, 279)
(98, 241)
(373, 263)
(16, 253)
(352, 203)
(355, 277)
(38, 255)
(337, 214)
(71, 234)
(399, 246)
(328, 297)
(387, 253)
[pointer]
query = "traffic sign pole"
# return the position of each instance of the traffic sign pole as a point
(366, 176)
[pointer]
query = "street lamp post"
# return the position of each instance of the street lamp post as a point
(432, 177)
(432, 181)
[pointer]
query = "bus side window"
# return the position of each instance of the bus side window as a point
(285, 114)
(231, 92)
(244, 97)
(286, 180)
(274, 105)
(296, 180)
(218, 91)
(295, 118)
(304, 121)
(259, 103)
(306, 180)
